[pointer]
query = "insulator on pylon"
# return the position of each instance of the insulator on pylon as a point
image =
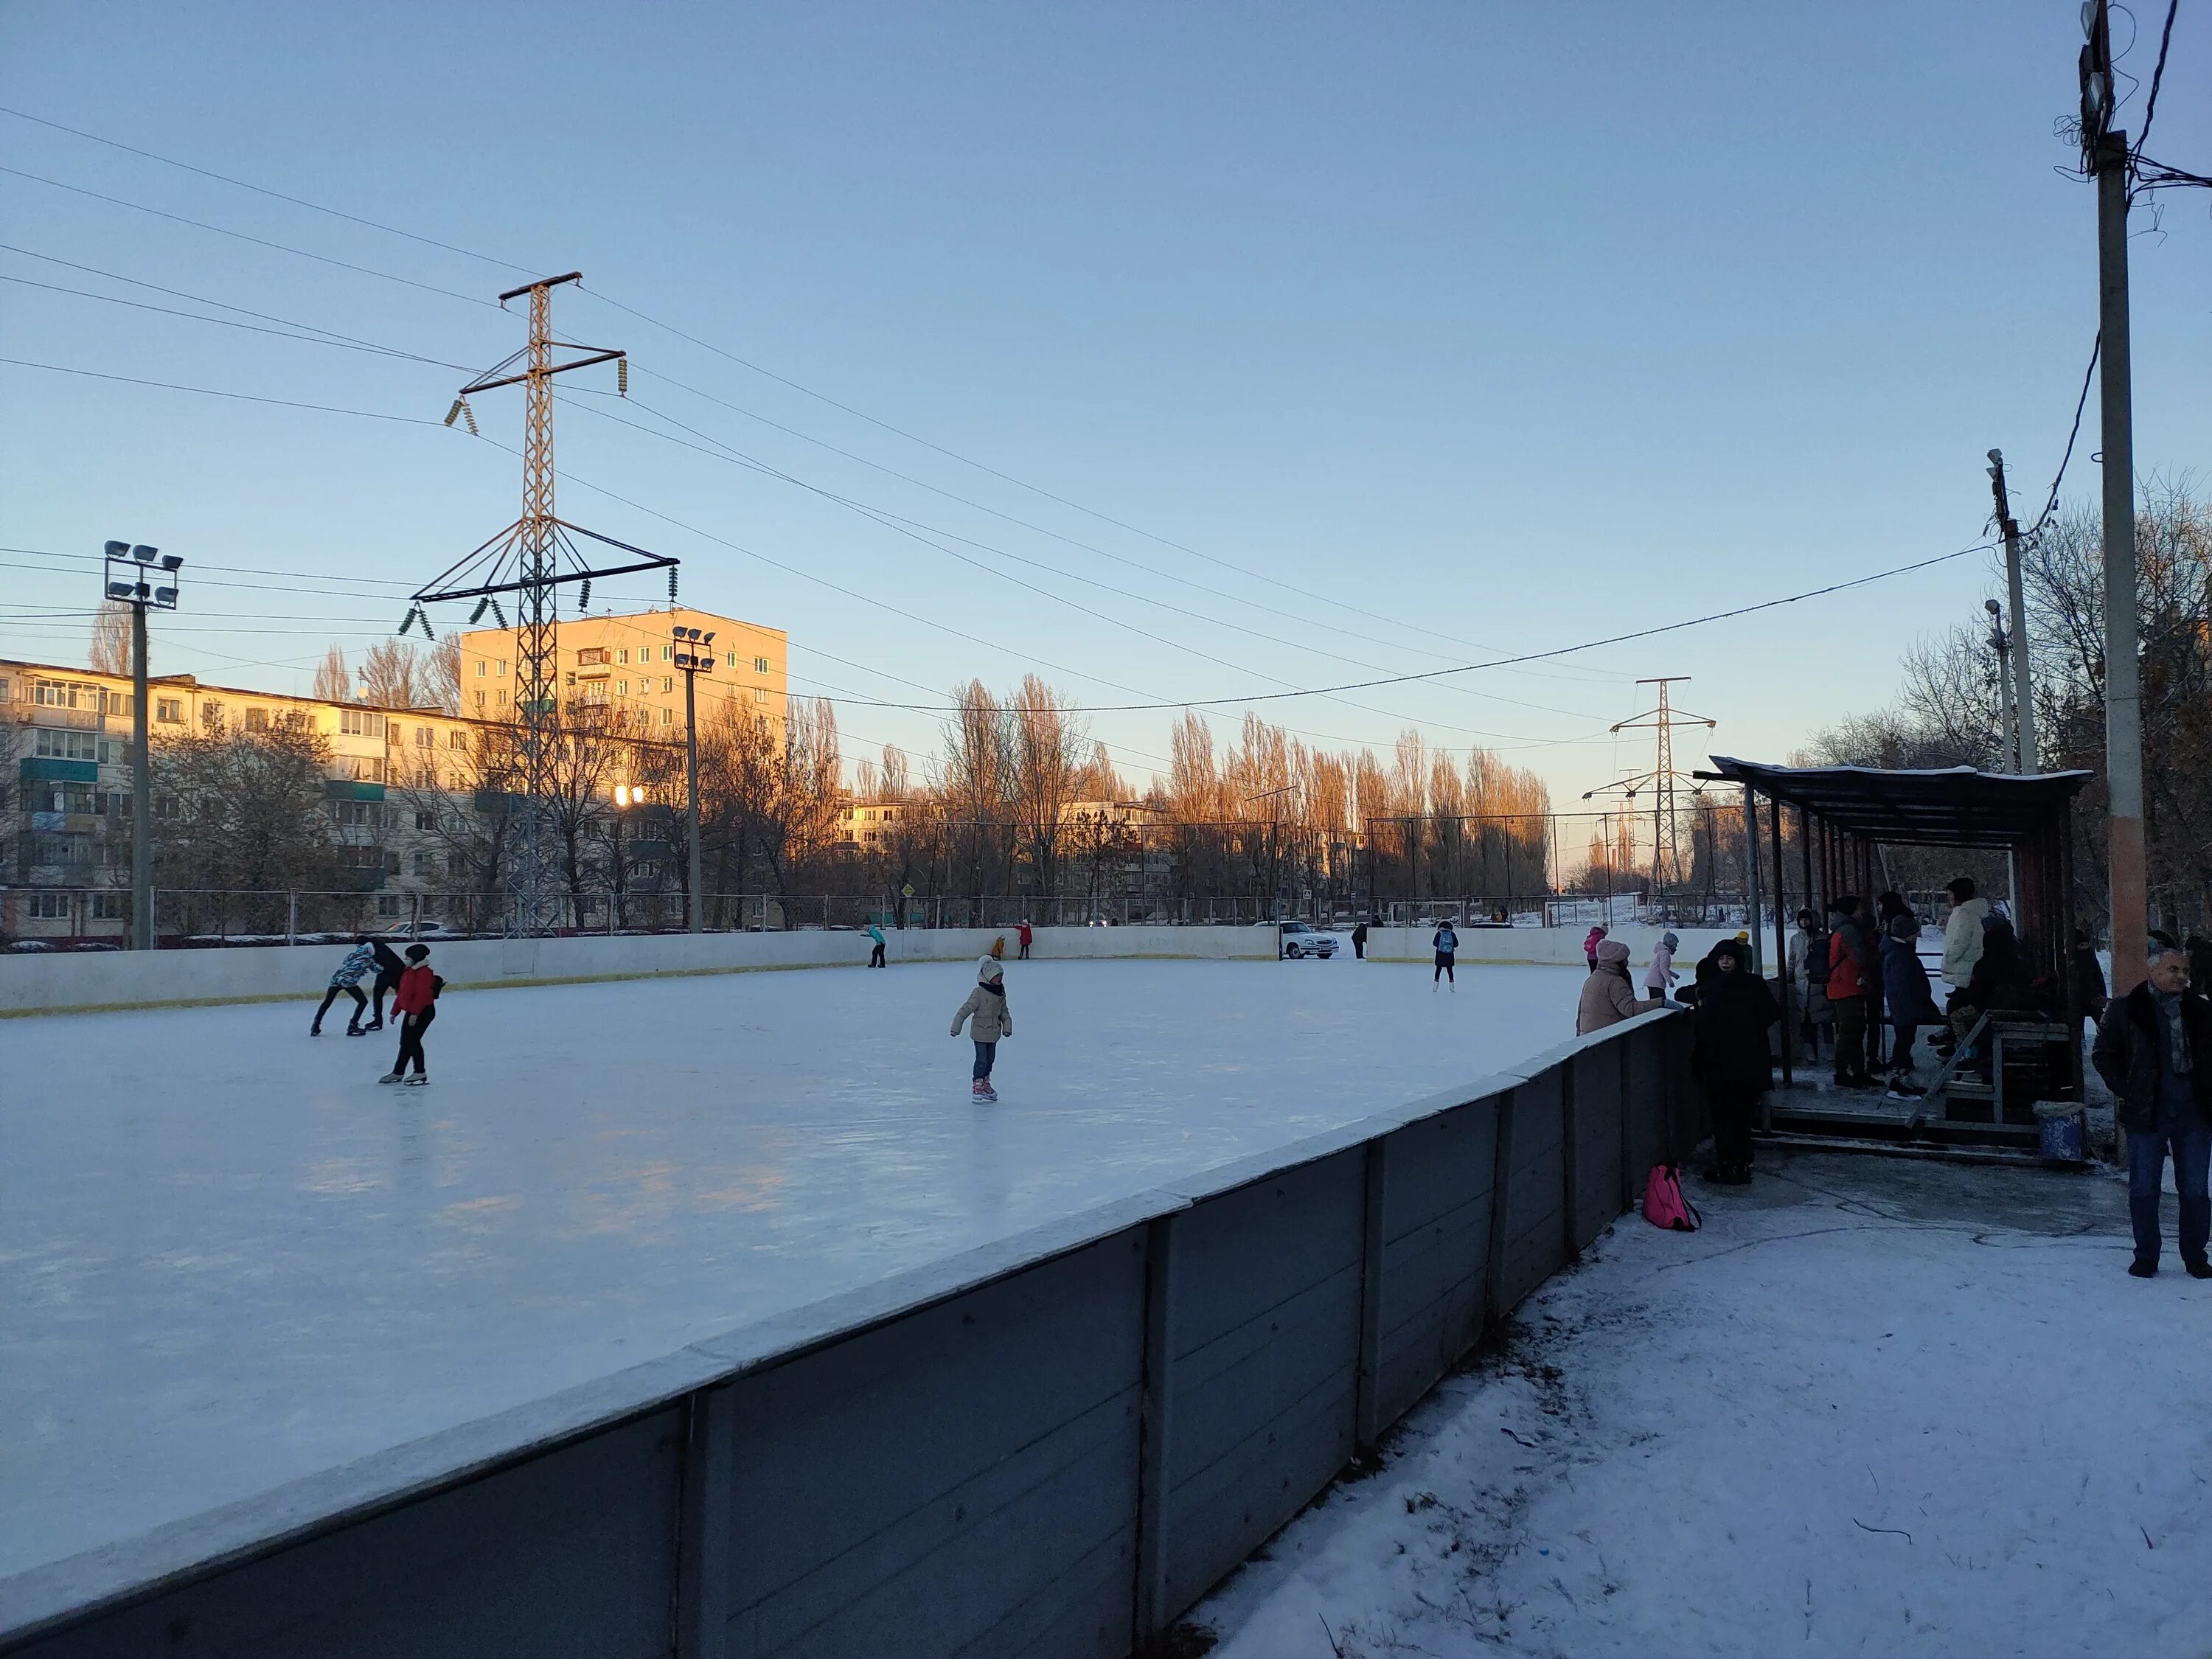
(467, 414)
(423, 617)
(454, 413)
(621, 377)
(407, 622)
(476, 615)
(671, 584)
(498, 614)
(584, 596)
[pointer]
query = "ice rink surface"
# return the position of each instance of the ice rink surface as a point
(229, 1258)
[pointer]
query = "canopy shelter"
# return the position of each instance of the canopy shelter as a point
(1844, 814)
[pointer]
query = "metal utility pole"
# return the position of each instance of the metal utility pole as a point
(2027, 755)
(529, 559)
(1666, 834)
(131, 577)
(693, 656)
(2105, 150)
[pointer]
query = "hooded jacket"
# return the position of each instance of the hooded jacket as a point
(358, 960)
(986, 1006)
(1904, 980)
(1607, 998)
(1962, 941)
(1661, 974)
(1854, 963)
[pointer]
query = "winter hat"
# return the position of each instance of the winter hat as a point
(418, 953)
(989, 968)
(1668, 940)
(1904, 929)
(1612, 950)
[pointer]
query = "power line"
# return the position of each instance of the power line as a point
(2074, 433)
(262, 189)
(211, 391)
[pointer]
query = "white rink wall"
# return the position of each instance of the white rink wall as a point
(82, 981)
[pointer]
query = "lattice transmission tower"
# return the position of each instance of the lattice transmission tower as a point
(1660, 782)
(532, 559)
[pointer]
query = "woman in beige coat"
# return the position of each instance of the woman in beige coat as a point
(1608, 997)
(987, 1006)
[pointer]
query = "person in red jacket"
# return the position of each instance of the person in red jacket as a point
(415, 1004)
(1025, 934)
(1854, 990)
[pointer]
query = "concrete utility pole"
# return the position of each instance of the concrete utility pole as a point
(2104, 155)
(132, 576)
(2123, 781)
(694, 658)
(2027, 756)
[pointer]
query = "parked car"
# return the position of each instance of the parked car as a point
(1302, 939)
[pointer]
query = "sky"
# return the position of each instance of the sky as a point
(1195, 352)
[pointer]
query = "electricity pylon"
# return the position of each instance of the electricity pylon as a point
(531, 558)
(1666, 839)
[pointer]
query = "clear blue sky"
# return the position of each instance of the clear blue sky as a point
(1521, 326)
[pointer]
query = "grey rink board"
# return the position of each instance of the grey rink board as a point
(1054, 1454)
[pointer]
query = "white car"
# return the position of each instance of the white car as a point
(1301, 940)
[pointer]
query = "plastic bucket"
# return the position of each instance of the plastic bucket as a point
(2060, 1124)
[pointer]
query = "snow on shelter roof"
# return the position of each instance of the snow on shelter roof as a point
(1946, 806)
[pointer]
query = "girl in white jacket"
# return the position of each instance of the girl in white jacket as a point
(987, 1006)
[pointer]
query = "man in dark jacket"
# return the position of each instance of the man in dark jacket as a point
(1728, 1055)
(2154, 1052)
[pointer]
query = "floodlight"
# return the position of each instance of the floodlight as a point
(171, 562)
(709, 639)
(118, 549)
(118, 590)
(165, 595)
(144, 554)
(1989, 605)
(1996, 458)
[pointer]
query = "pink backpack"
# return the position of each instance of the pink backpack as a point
(1663, 1203)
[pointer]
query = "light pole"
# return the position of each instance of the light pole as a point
(694, 659)
(141, 577)
(2023, 684)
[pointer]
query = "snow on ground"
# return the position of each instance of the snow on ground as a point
(1875, 1407)
(229, 1258)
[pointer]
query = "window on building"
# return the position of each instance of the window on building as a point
(733, 659)
(668, 682)
(113, 752)
(109, 906)
(481, 666)
(426, 820)
(622, 656)
(668, 717)
(760, 694)
(256, 719)
(6, 690)
(503, 699)
(760, 665)
(503, 668)
(57, 694)
(592, 656)
(391, 904)
(118, 703)
(426, 737)
(361, 858)
(480, 699)
(361, 723)
(668, 653)
(46, 907)
(211, 716)
(426, 864)
(363, 769)
(170, 711)
(454, 737)
(50, 745)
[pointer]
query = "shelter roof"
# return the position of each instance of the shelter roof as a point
(1949, 806)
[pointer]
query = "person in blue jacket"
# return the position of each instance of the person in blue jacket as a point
(1911, 999)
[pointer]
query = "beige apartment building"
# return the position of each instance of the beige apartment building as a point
(621, 669)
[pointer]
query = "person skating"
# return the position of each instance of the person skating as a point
(1024, 934)
(389, 967)
(876, 952)
(1591, 941)
(358, 960)
(1911, 999)
(1729, 1057)
(1360, 940)
(1446, 944)
(986, 1007)
(415, 1004)
(1607, 996)
(1659, 978)
(2154, 1052)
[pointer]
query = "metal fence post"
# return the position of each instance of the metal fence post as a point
(1155, 1429)
(291, 918)
(1367, 1407)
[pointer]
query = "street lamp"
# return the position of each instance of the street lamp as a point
(693, 656)
(142, 577)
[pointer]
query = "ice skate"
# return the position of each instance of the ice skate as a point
(982, 1091)
(316, 1029)
(389, 1076)
(354, 1030)
(421, 1080)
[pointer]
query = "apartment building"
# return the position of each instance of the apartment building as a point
(620, 669)
(65, 737)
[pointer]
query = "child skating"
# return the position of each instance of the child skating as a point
(389, 967)
(1447, 947)
(413, 1004)
(358, 960)
(986, 1007)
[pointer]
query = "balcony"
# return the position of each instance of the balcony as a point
(67, 719)
(47, 770)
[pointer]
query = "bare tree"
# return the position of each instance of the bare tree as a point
(333, 679)
(244, 814)
(393, 677)
(442, 675)
(111, 638)
(1046, 745)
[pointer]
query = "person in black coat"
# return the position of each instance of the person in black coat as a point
(1728, 1055)
(2154, 1052)
(389, 967)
